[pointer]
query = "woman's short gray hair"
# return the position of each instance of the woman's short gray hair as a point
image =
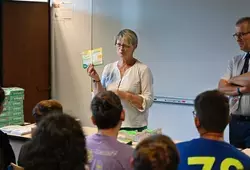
(129, 35)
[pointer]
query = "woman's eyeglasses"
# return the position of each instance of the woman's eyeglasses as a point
(122, 45)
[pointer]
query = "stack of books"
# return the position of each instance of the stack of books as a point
(13, 107)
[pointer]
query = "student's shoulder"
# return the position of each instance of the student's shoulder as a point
(95, 140)
(90, 138)
(2, 133)
(238, 154)
(241, 155)
(125, 149)
(189, 145)
(3, 136)
(244, 159)
(184, 144)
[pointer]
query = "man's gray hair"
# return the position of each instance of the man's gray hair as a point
(242, 20)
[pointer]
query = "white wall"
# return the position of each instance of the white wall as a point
(193, 33)
(184, 40)
(70, 83)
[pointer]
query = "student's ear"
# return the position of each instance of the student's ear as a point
(93, 120)
(122, 115)
(131, 162)
(197, 123)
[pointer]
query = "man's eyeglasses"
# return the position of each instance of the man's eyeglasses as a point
(240, 34)
(194, 113)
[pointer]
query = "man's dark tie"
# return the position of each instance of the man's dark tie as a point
(246, 64)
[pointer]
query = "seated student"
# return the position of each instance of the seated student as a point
(58, 143)
(7, 153)
(105, 152)
(45, 107)
(156, 153)
(42, 109)
(210, 151)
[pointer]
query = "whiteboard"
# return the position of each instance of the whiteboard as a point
(186, 44)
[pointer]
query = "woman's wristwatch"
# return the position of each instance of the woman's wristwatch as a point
(95, 81)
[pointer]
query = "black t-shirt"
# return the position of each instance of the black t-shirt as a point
(6, 152)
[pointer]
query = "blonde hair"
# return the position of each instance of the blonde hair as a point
(129, 35)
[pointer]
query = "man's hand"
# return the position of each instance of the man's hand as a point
(228, 88)
(245, 89)
(241, 80)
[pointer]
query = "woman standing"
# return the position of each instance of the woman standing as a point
(130, 79)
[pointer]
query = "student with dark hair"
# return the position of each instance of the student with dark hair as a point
(7, 154)
(58, 143)
(156, 153)
(210, 151)
(42, 109)
(105, 152)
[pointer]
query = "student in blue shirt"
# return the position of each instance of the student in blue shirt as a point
(210, 151)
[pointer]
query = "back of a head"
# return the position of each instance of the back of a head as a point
(58, 143)
(212, 110)
(45, 107)
(156, 153)
(106, 108)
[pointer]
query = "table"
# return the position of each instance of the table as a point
(18, 140)
(87, 131)
(90, 131)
